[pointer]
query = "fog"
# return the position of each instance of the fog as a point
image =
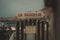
(10, 8)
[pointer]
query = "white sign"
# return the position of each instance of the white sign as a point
(28, 15)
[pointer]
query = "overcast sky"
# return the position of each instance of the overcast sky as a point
(10, 8)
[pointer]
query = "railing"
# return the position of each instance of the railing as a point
(42, 26)
(37, 36)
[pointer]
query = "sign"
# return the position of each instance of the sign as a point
(28, 15)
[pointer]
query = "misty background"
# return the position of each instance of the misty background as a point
(10, 8)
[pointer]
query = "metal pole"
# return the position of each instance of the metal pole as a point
(47, 30)
(22, 30)
(38, 23)
(42, 30)
(30, 22)
(26, 22)
(17, 31)
(34, 21)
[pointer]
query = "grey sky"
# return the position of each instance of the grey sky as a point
(11, 7)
